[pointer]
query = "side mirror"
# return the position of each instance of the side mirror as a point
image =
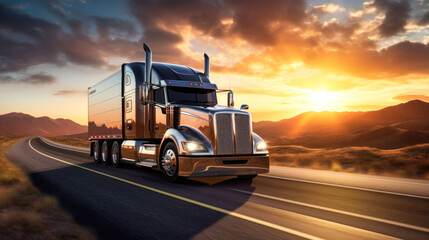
(244, 107)
(163, 83)
(230, 99)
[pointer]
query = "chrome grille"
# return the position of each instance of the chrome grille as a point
(242, 134)
(224, 134)
(233, 133)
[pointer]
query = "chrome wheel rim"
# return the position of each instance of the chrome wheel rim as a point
(114, 156)
(169, 162)
(104, 154)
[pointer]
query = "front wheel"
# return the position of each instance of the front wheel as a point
(170, 162)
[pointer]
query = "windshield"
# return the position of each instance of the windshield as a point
(192, 96)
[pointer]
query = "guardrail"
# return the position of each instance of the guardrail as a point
(66, 147)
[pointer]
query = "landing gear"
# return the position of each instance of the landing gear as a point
(116, 154)
(170, 162)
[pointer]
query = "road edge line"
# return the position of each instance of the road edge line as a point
(391, 222)
(344, 186)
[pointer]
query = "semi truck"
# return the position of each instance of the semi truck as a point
(167, 117)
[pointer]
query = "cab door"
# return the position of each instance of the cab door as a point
(160, 115)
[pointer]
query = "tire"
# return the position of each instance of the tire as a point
(105, 153)
(115, 154)
(170, 163)
(96, 152)
(249, 177)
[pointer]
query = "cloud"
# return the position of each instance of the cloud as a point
(424, 20)
(111, 27)
(406, 98)
(38, 41)
(40, 78)
(208, 18)
(328, 8)
(396, 16)
(283, 32)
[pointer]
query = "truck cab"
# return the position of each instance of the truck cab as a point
(168, 117)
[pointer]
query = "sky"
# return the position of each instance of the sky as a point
(281, 57)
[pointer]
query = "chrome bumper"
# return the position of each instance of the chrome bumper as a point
(212, 166)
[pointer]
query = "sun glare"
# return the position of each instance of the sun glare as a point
(322, 100)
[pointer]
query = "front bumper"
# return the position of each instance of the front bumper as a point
(213, 166)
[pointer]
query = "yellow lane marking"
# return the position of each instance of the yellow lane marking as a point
(221, 210)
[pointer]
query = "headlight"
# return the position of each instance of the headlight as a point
(194, 147)
(261, 146)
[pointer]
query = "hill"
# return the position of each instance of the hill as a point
(24, 124)
(396, 126)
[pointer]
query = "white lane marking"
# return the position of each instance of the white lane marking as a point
(221, 210)
(344, 186)
(374, 178)
(399, 224)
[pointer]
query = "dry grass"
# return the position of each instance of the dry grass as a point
(24, 212)
(71, 141)
(411, 162)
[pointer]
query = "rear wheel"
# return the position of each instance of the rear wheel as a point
(170, 162)
(116, 154)
(105, 153)
(96, 152)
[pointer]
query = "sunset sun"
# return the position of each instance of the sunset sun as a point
(322, 100)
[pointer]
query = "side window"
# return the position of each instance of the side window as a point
(129, 106)
(159, 96)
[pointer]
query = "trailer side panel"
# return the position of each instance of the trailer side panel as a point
(105, 108)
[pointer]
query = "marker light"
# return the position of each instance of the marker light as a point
(194, 147)
(261, 146)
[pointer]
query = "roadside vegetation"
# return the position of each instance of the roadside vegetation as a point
(25, 213)
(410, 162)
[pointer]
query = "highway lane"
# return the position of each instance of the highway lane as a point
(134, 202)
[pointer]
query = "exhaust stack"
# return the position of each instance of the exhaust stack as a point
(148, 64)
(206, 65)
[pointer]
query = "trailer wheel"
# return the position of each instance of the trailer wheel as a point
(170, 162)
(105, 153)
(96, 150)
(116, 154)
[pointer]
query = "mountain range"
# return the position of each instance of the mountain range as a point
(27, 125)
(391, 127)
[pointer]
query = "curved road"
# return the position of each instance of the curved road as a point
(137, 203)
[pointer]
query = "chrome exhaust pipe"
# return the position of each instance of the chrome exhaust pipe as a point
(206, 65)
(148, 64)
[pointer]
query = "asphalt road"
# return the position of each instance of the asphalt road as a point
(137, 203)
